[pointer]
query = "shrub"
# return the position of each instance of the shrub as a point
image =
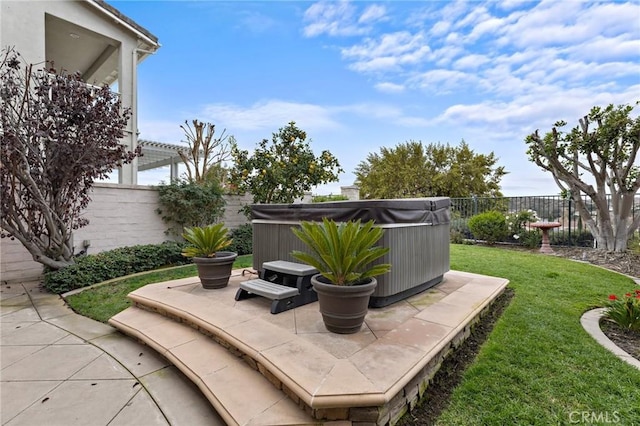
(455, 236)
(490, 226)
(186, 204)
(242, 239)
(530, 239)
(92, 269)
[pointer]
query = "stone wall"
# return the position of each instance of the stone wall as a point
(119, 216)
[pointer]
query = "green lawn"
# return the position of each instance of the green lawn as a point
(538, 366)
(104, 301)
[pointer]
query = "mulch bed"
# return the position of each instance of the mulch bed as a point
(626, 340)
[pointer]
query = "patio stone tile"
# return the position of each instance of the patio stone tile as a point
(302, 360)
(390, 317)
(204, 356)
(12, 354)
(71, 340)
(14, 299)
(259, 334)
(102, 368)
(481, 287)
(285, 320)
(452, 282)
(15, 397)
(82, 326)
(27, 313)
(180, 399)
(467, 300)
(341, 346)
(56, 362)
(309, 321)
(225, 385)
(139, 359)
(426, 298)
(80, 403)
(141, 410)
(169, 333)
(445, 314)
(53, 308)
(38, 333)
(420, 334)
(384, 362)
(283, 412)
(345, 379)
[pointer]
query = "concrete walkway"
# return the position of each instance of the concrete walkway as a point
(60, 368)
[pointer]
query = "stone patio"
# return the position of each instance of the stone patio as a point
(258, 368)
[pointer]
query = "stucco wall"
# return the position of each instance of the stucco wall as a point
(119, 216)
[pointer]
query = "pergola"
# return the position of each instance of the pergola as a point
(158, 154)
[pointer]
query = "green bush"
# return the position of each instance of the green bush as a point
(242, 239)
(455, 236)
(530, 239)
(187, 204)
(92, 269)
(490, 226)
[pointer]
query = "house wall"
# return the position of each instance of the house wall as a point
(119, 216)
(22, 25)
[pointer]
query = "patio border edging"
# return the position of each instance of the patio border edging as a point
(590, 321)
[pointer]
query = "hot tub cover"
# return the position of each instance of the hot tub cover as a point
(432, 211)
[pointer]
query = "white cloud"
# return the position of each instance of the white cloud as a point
(390, 51)
(340, 19)
(269, 115)
(388, 87)
(372, 13)
(470, 62)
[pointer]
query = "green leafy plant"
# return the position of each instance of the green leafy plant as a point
(206, 240)
(186, 203)
(625, 311)
(95, 268)
(342, 253)
(242, 239)
(490, 226)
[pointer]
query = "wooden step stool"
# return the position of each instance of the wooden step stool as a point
(287, 284)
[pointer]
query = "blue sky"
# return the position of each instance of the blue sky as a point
(360, 75)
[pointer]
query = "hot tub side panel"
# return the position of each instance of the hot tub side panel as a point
(419, 258)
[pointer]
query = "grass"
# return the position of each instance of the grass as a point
(538, 366)
(104, 301)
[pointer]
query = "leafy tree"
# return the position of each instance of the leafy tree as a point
(184, 203)
(58, 136)
(205, 156)
(281, 172)
(602, 151)
(414, 170)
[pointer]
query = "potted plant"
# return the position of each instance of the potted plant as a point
(343, 254)
(214, 265)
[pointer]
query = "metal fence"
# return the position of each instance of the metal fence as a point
(552, 208)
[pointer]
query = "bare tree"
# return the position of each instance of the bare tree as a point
(604, 155)
(57, 136)
(206, 156)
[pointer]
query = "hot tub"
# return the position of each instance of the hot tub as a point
(416, 232)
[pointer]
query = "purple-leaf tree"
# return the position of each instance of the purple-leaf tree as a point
(58, 136)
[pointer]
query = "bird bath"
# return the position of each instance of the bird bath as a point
(544, 227)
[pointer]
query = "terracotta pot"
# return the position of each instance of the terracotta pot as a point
(214, 272)
(343, 307)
